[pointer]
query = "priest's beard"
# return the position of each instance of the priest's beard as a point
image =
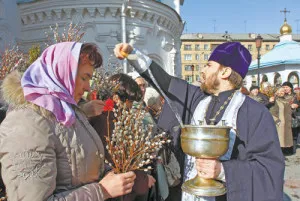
(210, 84)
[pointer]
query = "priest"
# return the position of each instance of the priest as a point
(253, 167)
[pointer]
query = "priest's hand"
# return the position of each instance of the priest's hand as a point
(122, 50)
(208, 168)
(136, 58)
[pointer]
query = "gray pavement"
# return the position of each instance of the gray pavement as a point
(292, 177)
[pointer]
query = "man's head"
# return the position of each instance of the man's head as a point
(153, 101)
(254, 90)
(288, 87)
(226, 68)
(142, 84)
(126, 90)
(280, 92)
(140, 81)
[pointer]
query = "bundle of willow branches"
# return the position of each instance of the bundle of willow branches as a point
(132, 144)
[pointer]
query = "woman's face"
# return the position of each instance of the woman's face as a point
(280, 92)
(83, 77)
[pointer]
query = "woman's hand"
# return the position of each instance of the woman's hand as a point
(93, 108)
(115, 185)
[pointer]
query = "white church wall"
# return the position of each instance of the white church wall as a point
(152, 27)
(271, 71)
(175, 4)
(10, 26)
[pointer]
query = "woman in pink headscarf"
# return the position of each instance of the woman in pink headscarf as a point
(48, 150)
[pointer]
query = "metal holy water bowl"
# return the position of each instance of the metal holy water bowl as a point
(204, 141)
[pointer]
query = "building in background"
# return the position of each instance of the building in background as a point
(153, 26)
(196, 49)
(281, 64)
(10, 24)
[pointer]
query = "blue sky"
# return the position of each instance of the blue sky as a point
(239, 16)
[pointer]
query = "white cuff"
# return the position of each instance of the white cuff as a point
(221, 176)
(139, 61)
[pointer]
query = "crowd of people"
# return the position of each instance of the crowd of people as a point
(284, 107)
(52, 141)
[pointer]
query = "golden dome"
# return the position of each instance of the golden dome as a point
(285, 29)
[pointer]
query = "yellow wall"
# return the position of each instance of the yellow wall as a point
(203, 52)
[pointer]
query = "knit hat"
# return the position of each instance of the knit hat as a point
(233, 55)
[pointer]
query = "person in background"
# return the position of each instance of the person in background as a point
(48, 150)
(3, 106)
(259, 97)
(296, 127)
(153, 101)
(3, 109)
(291, 97)
(253, 167)
(127, 92)
(164, 165)
(282, 115)
(297, 92)
(142, 83)
(244, 91)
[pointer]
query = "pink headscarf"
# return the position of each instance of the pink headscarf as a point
(50, 81)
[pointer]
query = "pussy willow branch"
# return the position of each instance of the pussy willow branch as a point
(132, 145)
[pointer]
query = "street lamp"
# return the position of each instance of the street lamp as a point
(258, 42)
(192, 67)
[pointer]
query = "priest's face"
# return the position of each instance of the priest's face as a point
(209, 77)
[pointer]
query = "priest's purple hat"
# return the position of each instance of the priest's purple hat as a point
(233, 55)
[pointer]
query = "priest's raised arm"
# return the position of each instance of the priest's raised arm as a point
(253, 169)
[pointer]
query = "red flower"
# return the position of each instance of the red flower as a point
(94, 95)
(109, 105)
